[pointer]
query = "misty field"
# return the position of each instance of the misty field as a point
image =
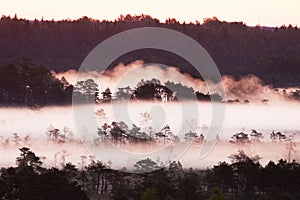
(27, 127)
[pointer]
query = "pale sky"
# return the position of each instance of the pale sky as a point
(252, 12)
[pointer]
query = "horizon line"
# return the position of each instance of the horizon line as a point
(195, 22)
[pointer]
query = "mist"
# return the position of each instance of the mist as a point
(269, 110)
(238, 117)
(248, 88)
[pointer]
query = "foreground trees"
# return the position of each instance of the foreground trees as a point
(243, 178)
(30, 181)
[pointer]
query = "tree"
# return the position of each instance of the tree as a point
(99, 174)
(181, 92)
(151, 90)
(136, 135)
(166, 133)
(222, 176)
(106, 95)
(291, 146)
(64, 154)
(146, 165)
(100, 114)
(52, 184)
(277, 137)
(240, 138)
(193, 137)
(189, 185)
(117, 132)
(28, 159)
(175, 171)
(124, 93)
(53, 133)
(85, 91)
(25, 83)
(246, 172)
(256, 136)
(103, 132)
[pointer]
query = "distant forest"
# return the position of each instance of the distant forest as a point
(272, 54)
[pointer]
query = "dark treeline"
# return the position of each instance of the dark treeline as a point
(24, 83)
(243, 178)
(272, 54)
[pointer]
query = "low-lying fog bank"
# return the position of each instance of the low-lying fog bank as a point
(31, 127)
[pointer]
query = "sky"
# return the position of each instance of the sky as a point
(252, 12)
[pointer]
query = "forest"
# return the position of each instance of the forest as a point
(33, 51)
(270, 53)
(243, 178)
(25, 83)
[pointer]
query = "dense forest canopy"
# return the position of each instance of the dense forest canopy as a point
(272, 54)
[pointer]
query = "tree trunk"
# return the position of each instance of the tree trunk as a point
(98, 183)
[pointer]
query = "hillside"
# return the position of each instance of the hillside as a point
(272, 54)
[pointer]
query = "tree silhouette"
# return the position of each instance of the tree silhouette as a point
(99, 173)
(25, 83)
(256, 136)
(117, 132)
(222, 176)
(85, 91)
(240, 138)
(28, 159)
(124, 93)
(145, 165)
(180, 91)
(243, 178)
(106, 95)
(277, 137)
(233, 45)
(151, 90)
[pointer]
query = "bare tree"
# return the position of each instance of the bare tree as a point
(83, 158)
(64, 154)
(291, 146)
(55, 158)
